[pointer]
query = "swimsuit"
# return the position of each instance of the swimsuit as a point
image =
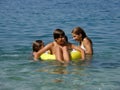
(82, 46)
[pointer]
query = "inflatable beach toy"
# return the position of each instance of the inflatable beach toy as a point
(74, 56)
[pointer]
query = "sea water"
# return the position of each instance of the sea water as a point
(23, 21)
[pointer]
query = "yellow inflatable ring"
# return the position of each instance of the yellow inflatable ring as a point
(74, 55)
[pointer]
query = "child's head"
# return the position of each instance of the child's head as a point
(37, 45)
(58, 33)
(79, 31)
(59, 36)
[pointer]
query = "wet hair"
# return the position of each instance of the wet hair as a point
(66, 38)
(58, 33)
(37, 45)
(78, 31)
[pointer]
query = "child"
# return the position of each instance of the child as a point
(37, 45)
(59, 47)
(84, 42)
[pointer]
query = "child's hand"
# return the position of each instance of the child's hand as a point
(35, 56)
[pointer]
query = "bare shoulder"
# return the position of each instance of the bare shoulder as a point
(87, 40)
(50, 44)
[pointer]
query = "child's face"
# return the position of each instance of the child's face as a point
(61, 40)
(76, 37)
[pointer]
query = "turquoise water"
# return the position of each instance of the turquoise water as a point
(23, 21)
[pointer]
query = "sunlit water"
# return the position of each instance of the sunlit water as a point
(23, 21)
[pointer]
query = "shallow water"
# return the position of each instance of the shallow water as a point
(23, 21)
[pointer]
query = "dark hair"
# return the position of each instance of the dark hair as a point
(36, 46)
(66, 38)
(58, 33)
(78, 31)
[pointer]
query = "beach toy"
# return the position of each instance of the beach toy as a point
(74, 56)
